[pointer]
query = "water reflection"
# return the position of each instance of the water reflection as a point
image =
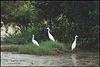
(74, 60)
(87, 59)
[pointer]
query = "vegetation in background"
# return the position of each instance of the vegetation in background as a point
(22, 38)
(65, 19)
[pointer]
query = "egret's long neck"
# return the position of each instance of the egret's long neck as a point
(75, 38)
(48, 32)
(33, 38)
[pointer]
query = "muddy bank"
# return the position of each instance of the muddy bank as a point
(81, 59)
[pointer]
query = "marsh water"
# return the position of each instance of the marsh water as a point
(68, 59)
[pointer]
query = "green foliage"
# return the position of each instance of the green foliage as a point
(23, 38)
(45, 48)
(82, 20)
(50, 45)
(65, 19)
(33, 49)
(25, 14)
(7, 10)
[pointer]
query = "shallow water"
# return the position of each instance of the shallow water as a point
(69, 59)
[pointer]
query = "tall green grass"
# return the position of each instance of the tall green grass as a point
(45, 48)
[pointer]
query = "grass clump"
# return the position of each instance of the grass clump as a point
(45, 48)
(49, 45)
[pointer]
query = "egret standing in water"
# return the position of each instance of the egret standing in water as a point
(50, 36)
(34, 41)
(74, 43)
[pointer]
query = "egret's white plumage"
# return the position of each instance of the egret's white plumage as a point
(50, 36)
(34, 41)
(74, 43)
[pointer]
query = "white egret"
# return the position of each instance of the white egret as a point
(34, 41)
(74, 43)
(50, 36)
